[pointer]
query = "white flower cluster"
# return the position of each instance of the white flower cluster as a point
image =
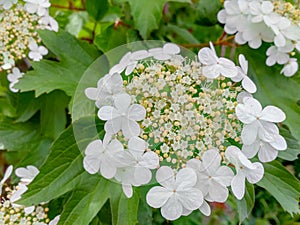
(20, 21)
(12, 213)
(272, 21)
(182, 117)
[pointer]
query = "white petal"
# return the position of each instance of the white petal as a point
(238, 185)
(130, 68)
(142, 175)
(107, 169)
(279, 143)
(107, 113)
(122, 102)
(185, 178)
(249, 85)
(130, 128)
(218, 193)
(136, 112)
(191, 199)
(158, 196)
(211, 160)
(7, 174)
(127, 189)
(150, 160)
(251, 150)
(113, 126)
(91, 164)
(273, 114)
(172, 210)
(255, 175)
(165, 176)
(249, 133)
(137, 145)
(228, 68)
(243, 63)
(170, 48)
(91, 93)
(211, 71)
(267, 153)
(224, 175)
(94, 148)
(205, 209)
(207, 56)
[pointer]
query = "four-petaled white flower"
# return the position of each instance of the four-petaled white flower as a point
(168, 51)
(128, 62)
(37, 6)
(135, 165)
(123, 116)
(27, 174)
(99, 157)
(213, 66)
(247, 83)
(213, 179)
(108, 87)
(177, 194)
(14, 78)
(36, 52)
(7, 174)
(245, 169)
(258, 121)
(7, 4)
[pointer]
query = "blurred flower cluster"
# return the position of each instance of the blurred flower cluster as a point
(275, 21)
(20, 21)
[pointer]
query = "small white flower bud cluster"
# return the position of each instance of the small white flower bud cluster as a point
(271, 21)
(19, 22)
(187, 113)
(12, 213)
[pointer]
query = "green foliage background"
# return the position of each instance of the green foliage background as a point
(37, 125)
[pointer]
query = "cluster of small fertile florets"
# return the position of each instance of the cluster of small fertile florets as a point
(20, 21)
(273, 21)
(12, 213)
(186, 118)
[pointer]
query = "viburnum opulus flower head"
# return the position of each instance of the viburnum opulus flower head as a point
(179, 116)
(273, 21)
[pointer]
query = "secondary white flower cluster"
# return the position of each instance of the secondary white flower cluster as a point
(272, 21)
(20, 21)
(12, 213)
(185, 118)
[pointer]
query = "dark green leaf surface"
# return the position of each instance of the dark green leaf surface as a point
(246, 204)
(282, 185)
(74, 58)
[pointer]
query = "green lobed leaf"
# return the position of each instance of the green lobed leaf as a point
(207, 12)
(85, 201)
(53, 113)
(282, 185)
(97, 8)
(63, 170)
(246, 204)
(146, 15)
(293, 146)
(74, 58)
